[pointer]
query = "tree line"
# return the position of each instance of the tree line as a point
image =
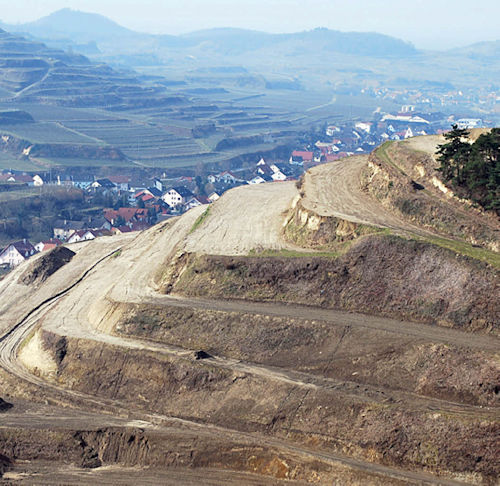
(472, 169)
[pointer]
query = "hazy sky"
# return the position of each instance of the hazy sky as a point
(426, 23)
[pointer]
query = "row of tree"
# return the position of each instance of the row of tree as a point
(472, 169)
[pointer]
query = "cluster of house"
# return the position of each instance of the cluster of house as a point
(67, 232)
(12, 177)
(435, 97)
(164, 197)
(364, 136)
(148, 205)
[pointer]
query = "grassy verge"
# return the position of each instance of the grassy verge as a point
(466, 249)
(382, 154)
(293, 253)
(19, 194)
(199, 221)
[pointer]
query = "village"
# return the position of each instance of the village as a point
(130, 203)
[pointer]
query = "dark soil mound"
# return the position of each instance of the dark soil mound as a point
(201, 355)
(42, 268)
(4, 406)
(5, 463)
(380, 275)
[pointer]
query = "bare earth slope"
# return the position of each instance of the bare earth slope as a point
(333, 378)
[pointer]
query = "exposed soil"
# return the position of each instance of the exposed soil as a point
(307, 229)
(46, 265)
(392, 182)
(342, 352)
(196, 390)
(375, 362)
(382, 275)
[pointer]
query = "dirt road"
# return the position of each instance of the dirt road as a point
(335, 190)
(244, 219)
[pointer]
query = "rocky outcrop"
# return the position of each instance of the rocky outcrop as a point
(307, 229)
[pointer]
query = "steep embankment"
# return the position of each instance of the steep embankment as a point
(402, 177)
(336, 420)
(380, 275)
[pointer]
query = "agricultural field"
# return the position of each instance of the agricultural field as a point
(48, 132)
(26, 192)
(137, 140)
(8, 162)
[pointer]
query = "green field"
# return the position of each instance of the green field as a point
(8, 196)
(47, 132)
(10, 162)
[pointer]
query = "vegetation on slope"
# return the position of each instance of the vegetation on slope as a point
(473, 170)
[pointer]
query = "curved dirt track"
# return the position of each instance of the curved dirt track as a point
(334, 189)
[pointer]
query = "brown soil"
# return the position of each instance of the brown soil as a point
(307, 229)
(313, 385)
(46, 265)
(196, 390)
(342, 352)
(381, 275)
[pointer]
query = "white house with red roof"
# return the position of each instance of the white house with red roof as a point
(47, 245)
(82, 235)
(16, 253)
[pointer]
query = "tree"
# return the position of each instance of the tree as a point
(454, 155)
(473, 169)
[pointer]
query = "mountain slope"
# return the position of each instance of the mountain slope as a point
(86, 27)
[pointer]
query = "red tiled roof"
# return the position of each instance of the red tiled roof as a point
(126, 213)
(23, 178)
(306, 155)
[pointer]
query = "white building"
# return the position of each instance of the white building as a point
(16, 253)
(177, 196)
(467, 123)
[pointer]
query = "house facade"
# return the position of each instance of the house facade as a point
(177, 196)
(16, 253)
(82, 235)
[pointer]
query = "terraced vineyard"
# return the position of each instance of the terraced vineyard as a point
(88, 114)
(137, 139)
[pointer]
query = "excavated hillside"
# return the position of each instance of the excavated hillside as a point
(307, 333)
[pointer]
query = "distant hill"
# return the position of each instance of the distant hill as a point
(84, 27)
(32, 72)
(79, 26)
(480, 50)
(321, 39)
